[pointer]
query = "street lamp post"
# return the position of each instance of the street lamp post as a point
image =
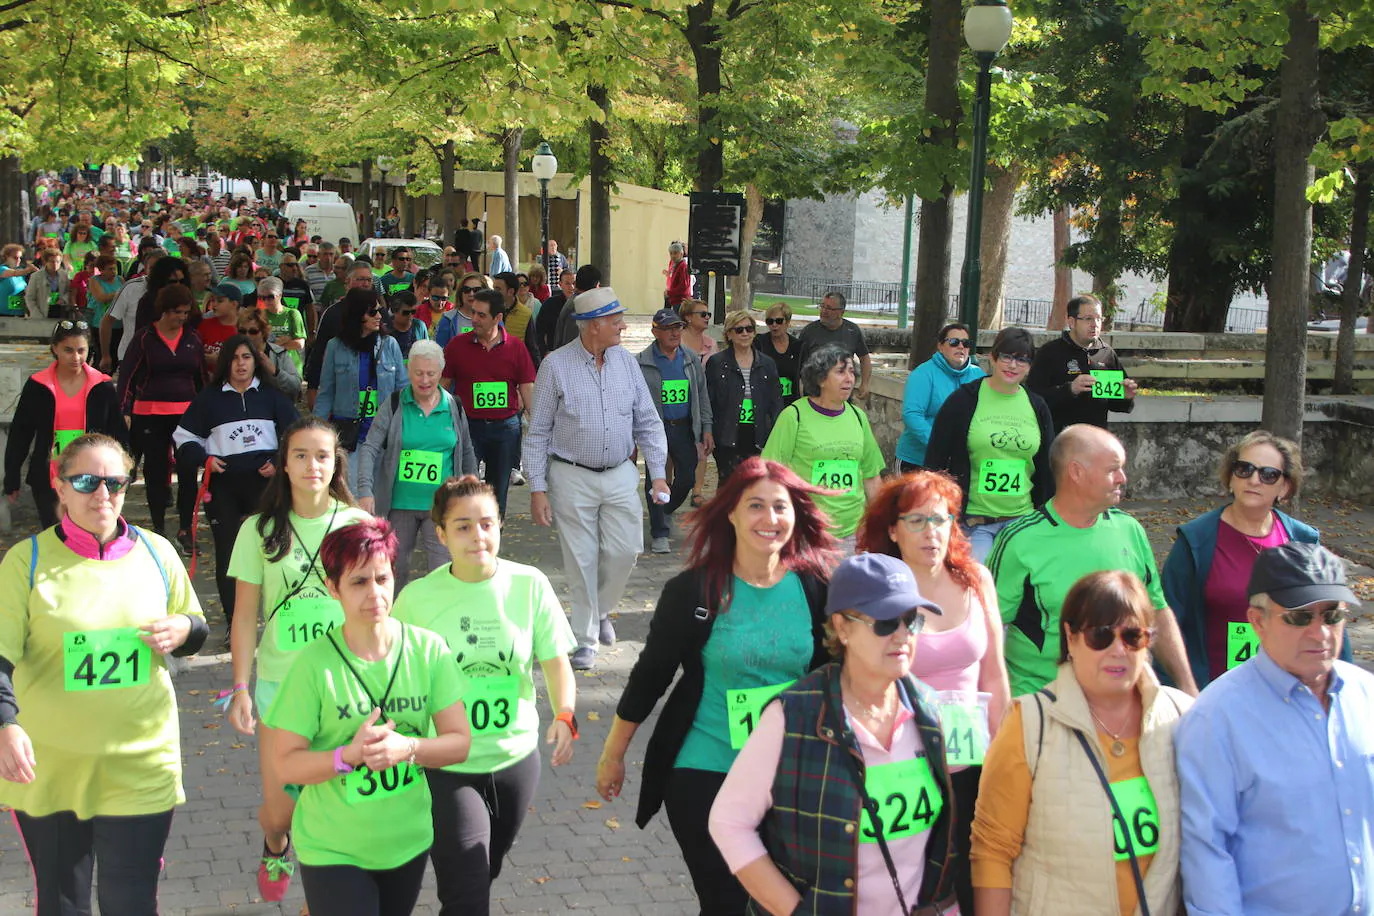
(544, 165)
(384, 164)
(987, 28)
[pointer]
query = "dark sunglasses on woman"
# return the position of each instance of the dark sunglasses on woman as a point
(1245, 470)
(912, 620)
(89, 483)
(1134, 638)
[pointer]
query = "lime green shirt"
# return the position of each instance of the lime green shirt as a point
(325, 698)
(497, 629)
(840, 452)
(427, 444)
(286, 325)
(1004, 431)
(296, 606)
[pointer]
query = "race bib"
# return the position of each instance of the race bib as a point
(419, 466)
(489, 395)
(1109, 384)
(491, 702)
(675, 391)
(908, 800)
(301, 621)
(15, 304)
(786, 387)
(291, 302)
(966, 734)
(363, 785)
(746, 411)
(367, 404)
(395, 288)
(61, 438)
(105, 659)
(1137, 803)
(1003, 477)
(744, 706)
(465, 329)
(53, 297)
(1241, 644)
(836, 474)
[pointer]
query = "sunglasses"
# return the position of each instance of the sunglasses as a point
(251, 332)
(373, 312)
(917, 523)
(963, 342)
(1134, 638)
(1303, 618)
(698, 314)
(69, 325)
(912, 620)
(1245, 470)
(403, 259)
(773, 322)
(744, 329)
(438, 297)
(1016, 358)
(89, 483)
(406, 312)
(470, 290)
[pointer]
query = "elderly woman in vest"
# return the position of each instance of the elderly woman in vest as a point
(1078, 809)
(860, 819)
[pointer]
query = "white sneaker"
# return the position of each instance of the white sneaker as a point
(516, 478)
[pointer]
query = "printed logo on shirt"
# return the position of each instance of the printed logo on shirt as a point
(1073, 366)
(393, 705)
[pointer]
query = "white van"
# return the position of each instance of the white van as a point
(325, 214)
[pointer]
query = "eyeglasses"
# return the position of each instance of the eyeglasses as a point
(251, 332)
(470, 290)
(915, 522)
(962, 342)
(1245, 470)
(268, 296)
(89, 483)
(773, 322)
(312, 257)
(404, 312)
(1093, 318)
(1302, 617)
(1133, 638)
(912, 620)
(744, 329)
(698, 314)
(1016, 358)
(70, 325)
(402, 259)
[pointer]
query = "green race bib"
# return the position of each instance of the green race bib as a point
(465, 329)
(291, 302)
(836, 475)
(61, 438)
(419, 466)
(908, 800)
(746, 411)
(786, 387)
(363, 785)
(966, 734)
(491, 702)
(301, 621)
(1137, 803)
(15, 304)
(675, 391)
(395, 288)
(1241, 644)
(1003, 477)
(489, 395)
(1109, 384)
(105, 659)
(53, 297)
(367, 404)
(744, 707)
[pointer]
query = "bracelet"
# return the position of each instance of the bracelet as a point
(414, 746)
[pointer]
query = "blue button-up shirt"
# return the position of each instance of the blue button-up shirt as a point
(1278, 794)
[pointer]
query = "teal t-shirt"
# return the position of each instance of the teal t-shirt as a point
(427, 444)
(369, 820)
(100, 308)
(837, 453)
(496, 630)
(1003, 438)
(763, 640)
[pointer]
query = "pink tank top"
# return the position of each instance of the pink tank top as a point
(950, 660)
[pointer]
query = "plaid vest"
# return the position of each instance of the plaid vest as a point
(811, 832)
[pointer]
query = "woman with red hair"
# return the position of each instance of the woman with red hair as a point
(913, 518)
(742, 622)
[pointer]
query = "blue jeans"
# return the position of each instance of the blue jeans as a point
(682, 454)
(497, 442)
(981, 537)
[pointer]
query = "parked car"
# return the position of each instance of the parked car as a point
(378, 251)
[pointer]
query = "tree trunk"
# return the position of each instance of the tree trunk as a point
(1354, 282)
(936, 224)
(1063, 275)
(1108, 235)
(1296, 131)
(11, 193)
(997, 210)
(599, 132)
(511, 142)
(703, 36)
(448, 172)
(370, 219)
(741, 290)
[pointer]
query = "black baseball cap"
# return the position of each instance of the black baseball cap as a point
(1296, 575)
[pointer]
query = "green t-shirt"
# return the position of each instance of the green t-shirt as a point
(1036, 560)
(1003, 438)
(840, 451)
(427, 444)
(763, 640)
(310, 611)
(497, 630)
(347, 820)
(286, 324)
(76, 253)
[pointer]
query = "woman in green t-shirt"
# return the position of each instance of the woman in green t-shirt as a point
(74, 254)
(351, 723)
(276, 562)
(499, 618)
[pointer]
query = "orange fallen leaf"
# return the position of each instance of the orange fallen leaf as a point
(592, 805)
(593, 717)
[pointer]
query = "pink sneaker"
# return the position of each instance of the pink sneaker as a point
(274, 874)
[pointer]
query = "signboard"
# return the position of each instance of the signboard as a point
(713, 232)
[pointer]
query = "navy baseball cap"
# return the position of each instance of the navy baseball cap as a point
(875, 584)
(1296, 575)
(667, 318)
(228, 291)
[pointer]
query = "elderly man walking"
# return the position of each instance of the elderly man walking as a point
(1276, 758)
(591, 407)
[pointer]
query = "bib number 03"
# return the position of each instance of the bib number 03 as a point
(908, 800)
(105, 659)
(491, 702)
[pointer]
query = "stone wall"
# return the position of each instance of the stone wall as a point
(878, 239)
(818, 238)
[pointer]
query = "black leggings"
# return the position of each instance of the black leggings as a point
(151, 435)
(347, 890)
(233, 497)
(688, 799)
(65, 851)
(476, 819)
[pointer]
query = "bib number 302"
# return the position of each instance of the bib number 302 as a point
(105, 659)
(363, 785)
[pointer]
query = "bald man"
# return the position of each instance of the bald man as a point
(1037, 559)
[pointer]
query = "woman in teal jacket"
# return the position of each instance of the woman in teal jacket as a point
(927, 387)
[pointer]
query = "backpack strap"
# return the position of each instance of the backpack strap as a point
(33, 560)
(166, 583)
(1033, 750)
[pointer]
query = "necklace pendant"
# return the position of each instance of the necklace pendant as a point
(1118, 749)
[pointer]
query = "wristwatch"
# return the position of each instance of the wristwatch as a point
(339, 765)
(570, 720)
